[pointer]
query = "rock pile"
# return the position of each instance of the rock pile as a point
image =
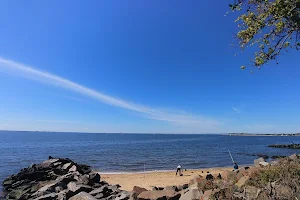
(287, 146)
(60, 179)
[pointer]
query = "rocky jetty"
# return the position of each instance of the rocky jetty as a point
(275, 180)
(62, 179)
(287, 146)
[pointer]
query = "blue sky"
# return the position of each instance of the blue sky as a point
(137, 66)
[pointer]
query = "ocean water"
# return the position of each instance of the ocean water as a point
(134, 152)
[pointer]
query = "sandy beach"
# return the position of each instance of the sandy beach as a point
(160, 179)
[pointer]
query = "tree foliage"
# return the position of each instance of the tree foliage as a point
(271, 26)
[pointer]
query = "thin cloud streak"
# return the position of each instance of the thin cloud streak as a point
(18, 69)
(236, 110)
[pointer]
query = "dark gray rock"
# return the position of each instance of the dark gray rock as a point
(62, 179)
(94, 178)
(123, 196)
(83, 196)
(50, 196)
(209, 177)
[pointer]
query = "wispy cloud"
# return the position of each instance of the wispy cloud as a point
(236, 110)
(19, 69)
(57, 121)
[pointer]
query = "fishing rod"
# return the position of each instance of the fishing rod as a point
(231, 156)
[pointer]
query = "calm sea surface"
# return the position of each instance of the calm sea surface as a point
(133, 152)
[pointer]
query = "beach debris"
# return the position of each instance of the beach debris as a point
(219, 176)
(60, 178)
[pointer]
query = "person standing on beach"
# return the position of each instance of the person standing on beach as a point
(235, 167)
(178, 170)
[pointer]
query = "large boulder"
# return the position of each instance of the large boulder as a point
(136, 191)
(193, 193)
(94, 178)
(74, 188)
(159, 195)
(263, 164)
(231, 177)
(257, 161)
(293, 156)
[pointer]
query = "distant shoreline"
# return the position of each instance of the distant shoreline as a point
(259, 134)
(220, 134)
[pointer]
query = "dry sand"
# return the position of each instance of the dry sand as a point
(160, 179)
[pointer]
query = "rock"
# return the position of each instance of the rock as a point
(18, 192)
(288, 146)
(274, 162)
(173, 188)
(251, 192)
(157, 188)
(83, 196)
(73, 169)
(94, 178)
(242, 181)
(159, 194)
(263, 164)
(60, 179)
(50, 196)
(49, 162)
(84, 169)
(185, 186)
(68, 177)
(101, 190)
(293, 156)
(67, 166)
(257, 161)
(231, 176)
(8, 182)
(196, 180)
(136, 191)
(123, 196)
(209, 177)
(192, 194)
(76, 188)
(207, 194)
(83, 179)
